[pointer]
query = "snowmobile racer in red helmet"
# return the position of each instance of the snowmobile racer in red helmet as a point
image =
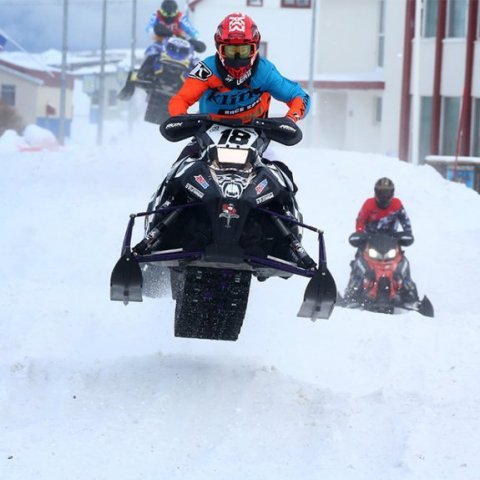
(237, 82)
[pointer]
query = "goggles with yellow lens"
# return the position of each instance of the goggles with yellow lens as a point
(243, 51)
(166, 14)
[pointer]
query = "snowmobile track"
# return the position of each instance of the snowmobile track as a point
(212, 304)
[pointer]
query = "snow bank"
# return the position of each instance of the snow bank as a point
(11, 142)
(39, 138)
(34, 138)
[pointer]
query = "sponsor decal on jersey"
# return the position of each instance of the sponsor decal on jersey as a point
(201, 181)
(261, 186)
(194, 190)
(229, 99)
(201, 72)
(229, 212)
(264, 198)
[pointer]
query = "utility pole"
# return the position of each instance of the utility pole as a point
(132, 61)
(101, 92)
(311, 73)
(63, 76)
(414, 154)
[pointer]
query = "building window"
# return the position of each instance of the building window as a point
(7, 95)
(296, 3)
(425, 128)
(112, 98)
(476, 128)
(377, 118)
(450, 118)
(254, 3)
(457, 18)
(478, 24)
(430, 18)
(381, 34)
(262, 49)
(95, 98)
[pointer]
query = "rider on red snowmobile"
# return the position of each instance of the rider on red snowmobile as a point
(383, 213)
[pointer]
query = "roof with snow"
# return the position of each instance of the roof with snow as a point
(32, 68)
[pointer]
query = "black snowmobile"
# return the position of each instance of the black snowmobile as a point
(216, 220)
(161, 75)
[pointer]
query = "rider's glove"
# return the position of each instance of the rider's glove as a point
(295, 117)
(405, 239)
(198, 45)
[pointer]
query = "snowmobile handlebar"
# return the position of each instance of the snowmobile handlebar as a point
(359, 239)
(279, 129)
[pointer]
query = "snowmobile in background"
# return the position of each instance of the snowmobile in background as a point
(381, 267)
(161, 75)
(217, 220)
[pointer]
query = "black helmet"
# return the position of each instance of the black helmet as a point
(168, 10)
(384, 190)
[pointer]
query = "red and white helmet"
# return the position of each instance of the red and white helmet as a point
(237, 40)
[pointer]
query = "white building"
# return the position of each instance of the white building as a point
(367, 76)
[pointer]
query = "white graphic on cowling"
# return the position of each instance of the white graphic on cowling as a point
(232, 185)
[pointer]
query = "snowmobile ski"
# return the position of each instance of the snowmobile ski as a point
(126, 282)
(424, 307)
(320, 296)
(126, 93)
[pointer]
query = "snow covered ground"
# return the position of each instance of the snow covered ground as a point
(91, 389)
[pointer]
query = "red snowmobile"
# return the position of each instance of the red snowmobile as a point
(379, 272)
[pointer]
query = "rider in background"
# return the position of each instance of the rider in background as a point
(169, 21)
(383, 213)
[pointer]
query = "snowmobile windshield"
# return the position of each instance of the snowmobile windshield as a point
(229, 156)
(178, 49)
